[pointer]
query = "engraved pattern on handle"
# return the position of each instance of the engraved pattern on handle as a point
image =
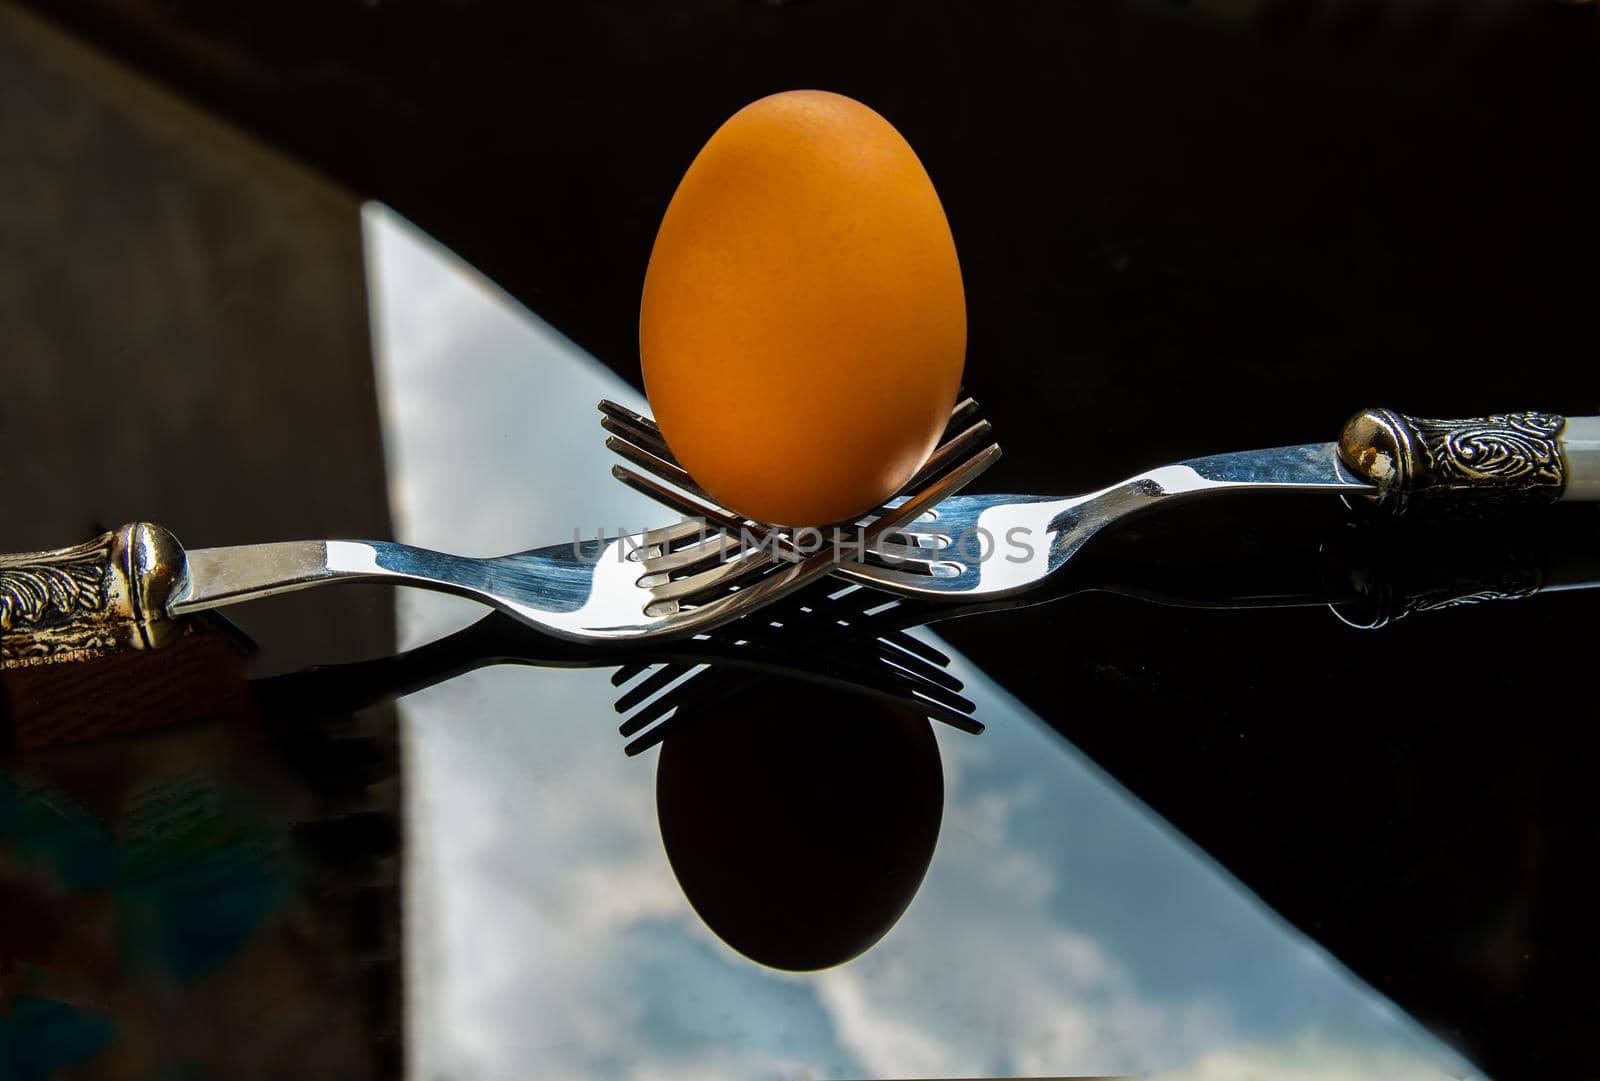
(1476, 464)
(40, 586)
(77, 603)
(1387, 603)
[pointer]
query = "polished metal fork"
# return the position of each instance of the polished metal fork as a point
(982, 547)
(125, 587)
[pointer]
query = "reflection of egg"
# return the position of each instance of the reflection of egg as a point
(803, 324)
(800, 820)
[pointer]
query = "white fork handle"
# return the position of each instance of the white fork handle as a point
(1580, 439)
(1477, 463)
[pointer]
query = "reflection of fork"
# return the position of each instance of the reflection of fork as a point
(1369, 573)
(837, 636)
(993, 547)
(876, 661)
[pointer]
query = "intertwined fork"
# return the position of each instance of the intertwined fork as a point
(998, 548)
(884, 534)
(125, 587)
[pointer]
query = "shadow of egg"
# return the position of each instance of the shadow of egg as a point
(800, 820)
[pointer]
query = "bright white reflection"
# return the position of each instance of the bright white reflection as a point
(1062, 928)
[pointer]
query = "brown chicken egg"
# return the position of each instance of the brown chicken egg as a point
(803, 325)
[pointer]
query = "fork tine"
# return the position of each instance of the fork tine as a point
(713, 514)
(636, 428)
(951, 451)
(686, 502)
(747, 566)
(965, 410)
(644, 449)
(674, 500)
(703, 507)
(720, 546)
(714, 584)
(651, 461)
(643, 431)
(638, 439)
(716, 580)
(897, 557)
(956, 477)
(713, 549)
(717, 547)
(900, 550)
(666, 536)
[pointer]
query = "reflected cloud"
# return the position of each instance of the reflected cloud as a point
(1313, 1056)
(1061, 927)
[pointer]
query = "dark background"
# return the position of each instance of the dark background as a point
(1184, 228)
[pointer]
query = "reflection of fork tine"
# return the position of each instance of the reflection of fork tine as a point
(627, 671)
(916, 646)
(893, 655)
(916, 677)
(677, 704)
(681, 711)
(853, 639)
(847, 602)
(650, 685)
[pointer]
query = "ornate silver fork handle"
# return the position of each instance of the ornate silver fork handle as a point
(123, 588)
(1503, 459)
(107, 593)
(1383, 459)
(118, 590)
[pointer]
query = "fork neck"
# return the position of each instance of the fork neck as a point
(1310, 467)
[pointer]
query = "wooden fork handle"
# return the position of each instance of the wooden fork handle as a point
(1473, 465)
(79, 602)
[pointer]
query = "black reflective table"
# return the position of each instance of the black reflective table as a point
(1266, 789)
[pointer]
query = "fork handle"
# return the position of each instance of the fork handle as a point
(1476, 464)
(79, 602)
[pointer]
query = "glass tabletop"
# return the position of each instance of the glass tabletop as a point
(1265, 789)
(1061, 928)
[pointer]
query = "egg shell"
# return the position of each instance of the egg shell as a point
(803, 325)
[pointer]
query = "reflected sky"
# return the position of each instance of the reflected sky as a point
(1062, 927)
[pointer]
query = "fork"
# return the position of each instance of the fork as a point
(126, 587)
(1392, 460)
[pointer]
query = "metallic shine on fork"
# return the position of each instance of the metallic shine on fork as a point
(1392, 459)
(120, 589)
